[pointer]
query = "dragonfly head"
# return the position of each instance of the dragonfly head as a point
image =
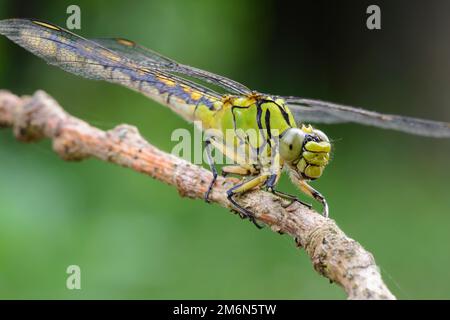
(306, 151)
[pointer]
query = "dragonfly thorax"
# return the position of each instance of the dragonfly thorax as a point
(305, 151)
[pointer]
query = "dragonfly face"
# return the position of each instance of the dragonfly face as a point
(306, 151)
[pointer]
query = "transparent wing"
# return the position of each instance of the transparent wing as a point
(90, 59)
(308, 110)
(151, 59)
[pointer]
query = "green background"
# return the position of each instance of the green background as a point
(134, 237)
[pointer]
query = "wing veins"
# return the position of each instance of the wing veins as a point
(149, 58)
(326, 112)
(86, 49)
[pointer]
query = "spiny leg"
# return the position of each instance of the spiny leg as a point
(242, 169)
(271, 187)
(212, 166)
(242, 188)
(313, 193)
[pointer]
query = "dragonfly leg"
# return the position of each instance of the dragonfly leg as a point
(213, 169)
(271, 187)
(242, 188)
(242, 170)
(313, 193)
(290, 197)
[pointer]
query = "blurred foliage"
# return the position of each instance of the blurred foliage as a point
(136, 238)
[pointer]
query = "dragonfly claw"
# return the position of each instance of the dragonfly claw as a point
(206, 196)
(289, 197)
(308, 205)
(243, 213)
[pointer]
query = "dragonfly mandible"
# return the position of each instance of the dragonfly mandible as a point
(283, 140)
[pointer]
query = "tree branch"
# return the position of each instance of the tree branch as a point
(341, 259)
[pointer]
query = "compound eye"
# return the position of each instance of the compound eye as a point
(322, 136)
(291, 144)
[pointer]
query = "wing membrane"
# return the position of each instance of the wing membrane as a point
(326, 112)
(90, 59)
(151, 59)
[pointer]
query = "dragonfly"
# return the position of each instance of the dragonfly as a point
(284, 139)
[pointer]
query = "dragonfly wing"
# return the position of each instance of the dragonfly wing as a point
(151, 59)
(60, 47)
(133, 51)
(326, 112)
(90, 59)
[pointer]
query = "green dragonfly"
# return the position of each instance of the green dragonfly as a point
(282, 139)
